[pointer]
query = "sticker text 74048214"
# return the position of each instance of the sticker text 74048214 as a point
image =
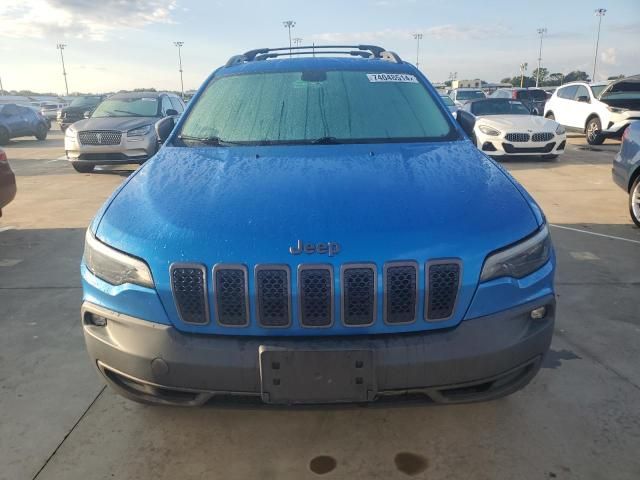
(392, 77)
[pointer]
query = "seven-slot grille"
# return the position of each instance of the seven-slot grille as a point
(517, 137)
(315, 293)
(541, 137)
(359, 290)
(231, 295)
(189, 285)
(100, 137)
(443, 282)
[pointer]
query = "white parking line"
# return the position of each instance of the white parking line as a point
(596, 234)
(59, 159)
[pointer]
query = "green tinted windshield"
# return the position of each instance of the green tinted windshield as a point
(127, 107)
(290, 107)
(84, 101)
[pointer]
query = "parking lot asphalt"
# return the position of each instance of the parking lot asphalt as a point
(579, 419)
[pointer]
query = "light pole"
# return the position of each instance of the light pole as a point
(297, 41)
(541, 32)
(523, 68)
(418, 37)
(599, 12)
(289, 24)
(179, 45)
(61, 46)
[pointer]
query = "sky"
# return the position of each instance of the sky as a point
(127, 44)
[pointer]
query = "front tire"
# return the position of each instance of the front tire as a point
(634, 202)
(4, 136)
(593, 130)
(82, 167)
(41, 132)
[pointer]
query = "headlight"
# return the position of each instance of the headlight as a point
(487, 130)
(70, 132)
(520, 259)
(560, 130)
(617, 109)
(113, 266)
(139, 132)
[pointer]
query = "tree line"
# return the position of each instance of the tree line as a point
(551, 79)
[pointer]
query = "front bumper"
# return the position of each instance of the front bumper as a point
(480, 359)
(128, 151)
(499, 146)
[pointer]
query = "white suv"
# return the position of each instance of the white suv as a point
(600, 110)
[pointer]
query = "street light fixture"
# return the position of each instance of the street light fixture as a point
(297, 41)
(542, 32)
(61, 47)
(599, 12)
(418, 37)
(523, 68)
(289, 24)
(179, 45)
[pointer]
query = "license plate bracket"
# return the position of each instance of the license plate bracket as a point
(291, 376)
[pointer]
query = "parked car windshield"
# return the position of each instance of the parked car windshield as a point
(470, 94)
(537, 95)
(127, 107)
(447, 100)
(499, 107)
(317, 107)
(84, 101)
(597, 89)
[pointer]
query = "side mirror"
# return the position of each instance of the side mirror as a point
(583, 99)
(171, 112)
(87, 114)
(466, 121)
(164, 128)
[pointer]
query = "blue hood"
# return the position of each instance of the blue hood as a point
(379, 202)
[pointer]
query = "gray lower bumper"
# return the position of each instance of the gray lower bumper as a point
(479, 359)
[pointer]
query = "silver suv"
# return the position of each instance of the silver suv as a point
(120, 131)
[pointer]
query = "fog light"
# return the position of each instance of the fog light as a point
(538, 313)
(97, 320)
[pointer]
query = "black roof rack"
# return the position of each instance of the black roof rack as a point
(364, 51)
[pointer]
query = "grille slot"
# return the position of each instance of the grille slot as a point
(100, 137)
(400, 292)
(517, 137)
(359, 294)
(189, 287)
(230, 289)
(443, 282)
(315, 289)
(541, 137)
(273, 298)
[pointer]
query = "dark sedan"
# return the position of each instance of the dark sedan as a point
(77, 109)
(626, 168)
(7, 182)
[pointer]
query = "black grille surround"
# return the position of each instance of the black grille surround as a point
(190, 295)
(100, 137)
(316, 295)
(231, 297)
(443, 280)
(542, 136)
(511, 149)
(517, 137)
(400, 292)
(273, 295)
(359, 289)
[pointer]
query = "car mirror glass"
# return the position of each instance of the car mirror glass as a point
(164, 128)
(171, 112)
(87, 114)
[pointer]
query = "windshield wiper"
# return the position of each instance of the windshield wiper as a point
(214, 141)
(325, 141)
(133, 114)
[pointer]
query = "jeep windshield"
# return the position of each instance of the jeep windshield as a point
(127, 107)
(315, 107)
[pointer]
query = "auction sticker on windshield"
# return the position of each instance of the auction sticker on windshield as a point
(392, 77)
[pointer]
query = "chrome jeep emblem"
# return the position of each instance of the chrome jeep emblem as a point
(330, 248)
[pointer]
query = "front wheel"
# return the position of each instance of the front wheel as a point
(634, 202)
(82, 167)
(41, 132)
(594, 137)
(4, 136)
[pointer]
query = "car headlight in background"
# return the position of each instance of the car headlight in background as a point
(560, 130)
(617, 109)
(70, 133)
(139, 132)
(519, 260)
(487, 130)
(113, 266)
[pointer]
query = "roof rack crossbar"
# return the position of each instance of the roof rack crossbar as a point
(374, 49)
(354, 53)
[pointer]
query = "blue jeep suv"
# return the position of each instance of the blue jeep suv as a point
(316, 229)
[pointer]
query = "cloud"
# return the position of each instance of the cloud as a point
(438, 32)
(79, 18)
(608, 56)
